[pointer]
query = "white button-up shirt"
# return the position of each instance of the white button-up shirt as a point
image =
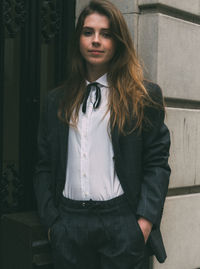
(90, 166)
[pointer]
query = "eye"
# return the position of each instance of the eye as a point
(87, 32)
(107, 35)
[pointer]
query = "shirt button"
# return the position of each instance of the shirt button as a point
(84, 175)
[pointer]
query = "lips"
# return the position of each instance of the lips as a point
(96, 51)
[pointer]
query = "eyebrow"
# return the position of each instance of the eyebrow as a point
(91, 28)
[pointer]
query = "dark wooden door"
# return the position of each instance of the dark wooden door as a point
(34, 37)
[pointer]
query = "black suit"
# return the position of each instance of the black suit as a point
(141, 163)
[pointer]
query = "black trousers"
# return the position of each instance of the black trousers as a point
(98, 235)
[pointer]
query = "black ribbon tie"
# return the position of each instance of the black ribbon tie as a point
(87, 93)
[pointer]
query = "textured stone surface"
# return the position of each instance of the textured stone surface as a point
(192, 6)
(184, 125)
(148, 44)
(170, 49)
(125, 6)
(181, 232)
(132, 22)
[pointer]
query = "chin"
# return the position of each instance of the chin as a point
(97, 62)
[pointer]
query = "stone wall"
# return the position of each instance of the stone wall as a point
(169, 45)
(167, 37)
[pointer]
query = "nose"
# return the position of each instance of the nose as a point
(96, 40)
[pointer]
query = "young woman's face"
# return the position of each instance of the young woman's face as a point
(96, 43)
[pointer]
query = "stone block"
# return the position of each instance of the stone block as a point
(185, 146)
(125, 6)
(80, 4)
(181, 232)
(184, 5)
(132, 22)
(169, 48)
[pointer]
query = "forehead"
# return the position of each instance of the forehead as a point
(96, 20)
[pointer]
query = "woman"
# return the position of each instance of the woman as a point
(103, 173)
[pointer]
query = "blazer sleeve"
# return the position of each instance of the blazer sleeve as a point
(43, 175)
(156, 171)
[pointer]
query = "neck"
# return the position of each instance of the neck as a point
(93, 73)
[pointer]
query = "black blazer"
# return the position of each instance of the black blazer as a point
(141, 163)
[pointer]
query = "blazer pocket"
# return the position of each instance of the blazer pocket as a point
(140, 232)
(56, 233)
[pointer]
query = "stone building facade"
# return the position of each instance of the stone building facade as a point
(166, 34)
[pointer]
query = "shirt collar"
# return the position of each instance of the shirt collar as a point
(102, 80)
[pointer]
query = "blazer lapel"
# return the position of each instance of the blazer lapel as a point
(63, 133)
(115, 141)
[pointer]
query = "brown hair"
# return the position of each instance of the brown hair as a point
(127, 95)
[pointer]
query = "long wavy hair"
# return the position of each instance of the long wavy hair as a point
(127, 94)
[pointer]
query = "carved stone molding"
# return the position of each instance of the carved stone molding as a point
(14, 16)
(50, 20)
(11, 189)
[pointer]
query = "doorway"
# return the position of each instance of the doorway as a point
(34, 38)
